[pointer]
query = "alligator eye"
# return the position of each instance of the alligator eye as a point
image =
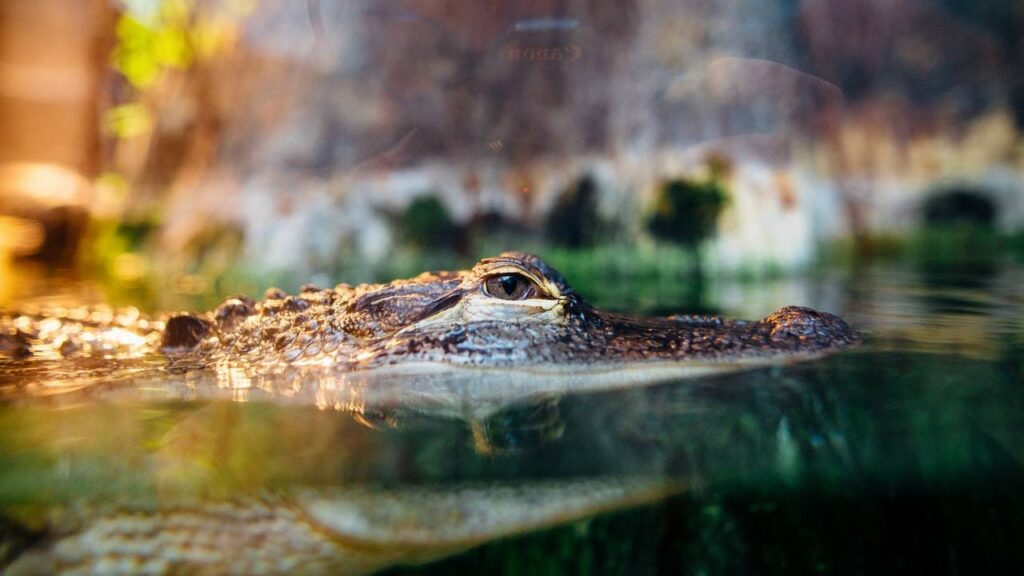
(510, 287)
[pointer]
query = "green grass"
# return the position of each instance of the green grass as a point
(945, 247)
(606, 273)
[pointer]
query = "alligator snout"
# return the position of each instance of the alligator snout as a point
(806, 327)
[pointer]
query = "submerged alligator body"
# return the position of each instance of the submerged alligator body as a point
(347, 532)
(508, 312)
(453, 343)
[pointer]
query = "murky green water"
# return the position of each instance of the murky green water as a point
(906, 454)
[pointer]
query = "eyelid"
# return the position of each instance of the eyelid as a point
(504, 270)
(507, 269)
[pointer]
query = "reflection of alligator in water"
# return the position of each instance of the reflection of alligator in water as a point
(339, 531)
(791, 467)
(213, 487)
(469, 342)
(512, 311)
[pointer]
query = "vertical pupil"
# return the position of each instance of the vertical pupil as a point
(508, 284)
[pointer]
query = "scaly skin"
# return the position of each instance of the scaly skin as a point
(351, 532)
(451, 319)
(508, 328)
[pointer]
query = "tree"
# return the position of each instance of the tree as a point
(427, 225)
(573, 221)
(687, 211)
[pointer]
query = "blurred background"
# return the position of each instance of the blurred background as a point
(168, 152)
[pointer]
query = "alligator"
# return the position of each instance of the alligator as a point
(509, 315)
(510, 327)
(350, 531)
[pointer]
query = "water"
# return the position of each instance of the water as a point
(905, 454)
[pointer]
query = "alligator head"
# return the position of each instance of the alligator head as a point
(509, 312)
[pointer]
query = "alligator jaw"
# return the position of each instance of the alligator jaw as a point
(595, 343)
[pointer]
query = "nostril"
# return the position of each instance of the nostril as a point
(805, 324)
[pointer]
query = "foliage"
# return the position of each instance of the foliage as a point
(573, 221)
(143, 50)
(155, 38)
(656, 278)
(160, 48)
(171, 35)
(1015, 242)
(687, 210)
(949, 246)
(426, 224)
(128, 120)
(960, 207)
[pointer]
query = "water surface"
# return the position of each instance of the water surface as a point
(905, 454)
